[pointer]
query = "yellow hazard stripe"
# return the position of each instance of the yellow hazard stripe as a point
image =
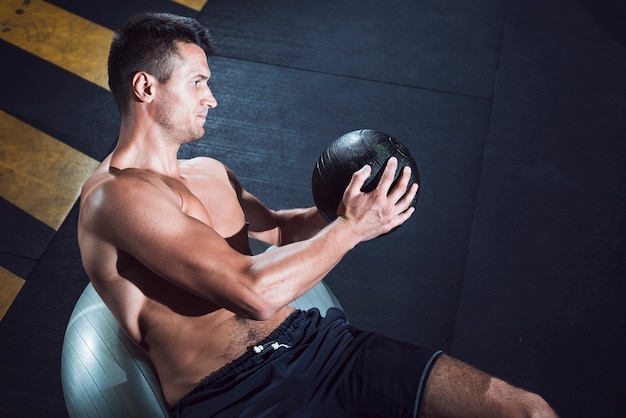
(192, 4)
(39, 174)
(57, 36)
(10, 286)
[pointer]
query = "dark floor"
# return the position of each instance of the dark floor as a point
(515, 260)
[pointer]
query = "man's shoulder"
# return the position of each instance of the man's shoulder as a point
(201, 163)
(112, 180)
(125, 189)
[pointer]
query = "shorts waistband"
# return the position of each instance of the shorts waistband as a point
(281, 335)
(279, 338)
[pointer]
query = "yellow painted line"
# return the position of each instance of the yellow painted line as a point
(192, 4)
(38, 173)
(58, 36)
(10, 286)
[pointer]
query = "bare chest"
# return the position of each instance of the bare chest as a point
(210, 198)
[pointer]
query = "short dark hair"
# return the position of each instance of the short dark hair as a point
(148, 43)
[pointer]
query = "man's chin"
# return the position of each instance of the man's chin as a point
(198, 135)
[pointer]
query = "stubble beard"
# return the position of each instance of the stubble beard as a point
(176, 132)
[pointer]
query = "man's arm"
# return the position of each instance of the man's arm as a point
(146, 222)
(279, 227)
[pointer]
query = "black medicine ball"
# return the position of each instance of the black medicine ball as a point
(349, 153)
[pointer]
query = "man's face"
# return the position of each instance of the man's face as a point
(184, 100)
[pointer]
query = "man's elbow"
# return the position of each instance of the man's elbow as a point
(259, 306)
(259, 312)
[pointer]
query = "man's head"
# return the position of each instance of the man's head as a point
(149, 43)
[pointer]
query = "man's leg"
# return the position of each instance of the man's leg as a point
(455, 389)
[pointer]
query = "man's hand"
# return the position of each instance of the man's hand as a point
(375, 213)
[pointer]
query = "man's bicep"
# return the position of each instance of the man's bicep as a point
(262, 222)
(259, 216)
(152, 228)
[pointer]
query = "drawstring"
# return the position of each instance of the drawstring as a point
(275, 345)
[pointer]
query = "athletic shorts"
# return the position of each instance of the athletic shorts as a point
(314, 366)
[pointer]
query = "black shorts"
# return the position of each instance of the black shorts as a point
(312, 366)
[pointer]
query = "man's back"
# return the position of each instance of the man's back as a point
(186, 337)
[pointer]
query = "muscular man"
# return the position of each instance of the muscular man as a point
(165, 243)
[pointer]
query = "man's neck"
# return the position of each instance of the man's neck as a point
(145, 150)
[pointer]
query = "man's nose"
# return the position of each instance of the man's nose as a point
(209, 100)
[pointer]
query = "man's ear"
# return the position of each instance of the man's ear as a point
(143, 87)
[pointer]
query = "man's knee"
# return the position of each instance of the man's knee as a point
(455, 389)
(539, 408)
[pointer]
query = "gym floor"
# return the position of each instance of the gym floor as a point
(515, 111)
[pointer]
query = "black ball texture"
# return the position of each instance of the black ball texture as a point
(349, 153)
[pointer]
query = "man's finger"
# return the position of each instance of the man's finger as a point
(358, 180)
(386, 180)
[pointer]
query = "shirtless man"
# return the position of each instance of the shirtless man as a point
(165, 244)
